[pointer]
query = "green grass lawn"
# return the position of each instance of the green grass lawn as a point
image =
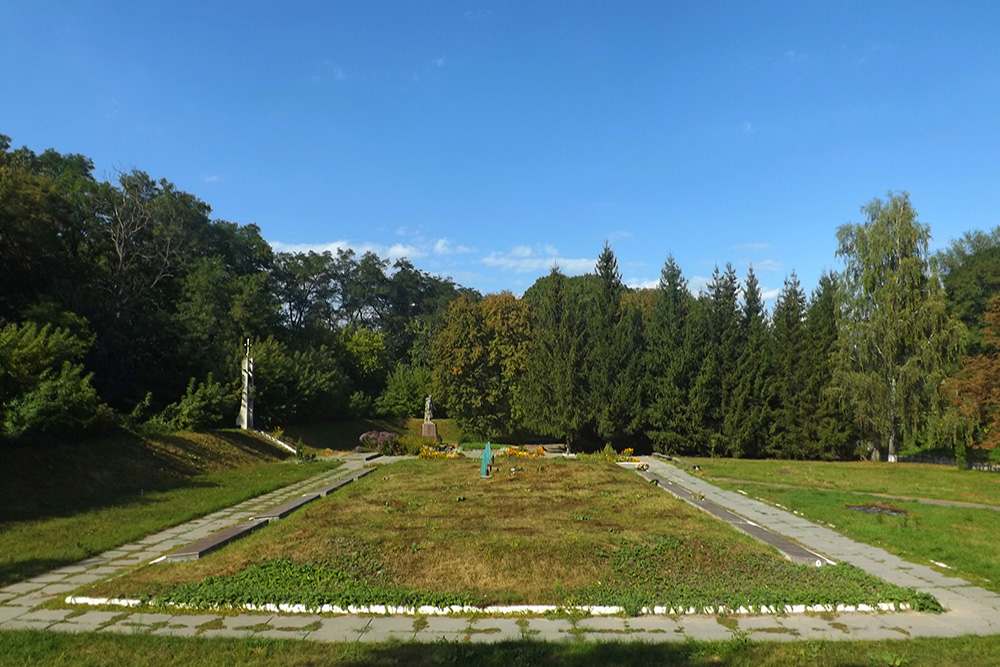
(552, 532)
(32, 648)
(63, 504)
(901, 479)
(961, 538)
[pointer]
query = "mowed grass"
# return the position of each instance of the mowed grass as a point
(64, 503)
(32, 648)
(901, 479)
(962, 538)
(547, 532)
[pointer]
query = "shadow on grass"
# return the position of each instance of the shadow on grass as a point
(582, 654)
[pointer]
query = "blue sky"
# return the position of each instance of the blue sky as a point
(487, 140)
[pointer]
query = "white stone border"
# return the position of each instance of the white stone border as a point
(593, 610)
(276, 441)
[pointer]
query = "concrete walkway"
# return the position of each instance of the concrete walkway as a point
(971, 610)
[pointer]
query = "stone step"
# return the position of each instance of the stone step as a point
(196, 550)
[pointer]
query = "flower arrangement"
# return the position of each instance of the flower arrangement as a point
(523, 452)
(609, 454)
(429, 453)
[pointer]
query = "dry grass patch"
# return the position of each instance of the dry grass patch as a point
(550, 532)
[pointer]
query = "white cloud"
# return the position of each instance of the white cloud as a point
(445, 247)
(698, 283)
(521, 251)
(638, 283)
(397, 250)
(766, 265)
(524, 259)
(212, 178)
(748, 127)
(769, 294)
(393, 252)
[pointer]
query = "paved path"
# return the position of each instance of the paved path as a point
(971, 610)
(889, 496)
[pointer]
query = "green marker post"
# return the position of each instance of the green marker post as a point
(486, 461)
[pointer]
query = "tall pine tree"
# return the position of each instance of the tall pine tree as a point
(746, 421)
(669, 362)
(554, 392)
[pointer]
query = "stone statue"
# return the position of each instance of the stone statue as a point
(428, 410)
(429, 429)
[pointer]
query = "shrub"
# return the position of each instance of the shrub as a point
(60, 404)
(411, 445)
(382, 442)
(360, 405)
(44, 392)
(205, 405)
(405, 391)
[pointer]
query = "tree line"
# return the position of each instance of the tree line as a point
(896, 352)
(122, 302)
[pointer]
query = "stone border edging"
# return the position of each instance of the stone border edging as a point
(429, 610)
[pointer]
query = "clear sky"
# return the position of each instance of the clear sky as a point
(486, 140)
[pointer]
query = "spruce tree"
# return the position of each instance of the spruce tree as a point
(788, 428)
(746, 421)
(668, 363)
(555, 388)
(830, 432)
(711, 394)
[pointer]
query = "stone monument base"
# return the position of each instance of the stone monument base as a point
(430, 430)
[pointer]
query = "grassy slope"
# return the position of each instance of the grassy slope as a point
(344, 435)
(62, 503)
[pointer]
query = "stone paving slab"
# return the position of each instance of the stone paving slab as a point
(445, 624)
(95, 617)
(704, 628)
(9, 613)
(59, 589)
(603, 624)
(18, 624)
(338, 629)
(147, 619)
(81, 579)
(287, 507)
(194, 620)
(550, 630)
(23, 587)
(494, 629)
(51, 615)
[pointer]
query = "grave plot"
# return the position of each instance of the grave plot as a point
(539, 532)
